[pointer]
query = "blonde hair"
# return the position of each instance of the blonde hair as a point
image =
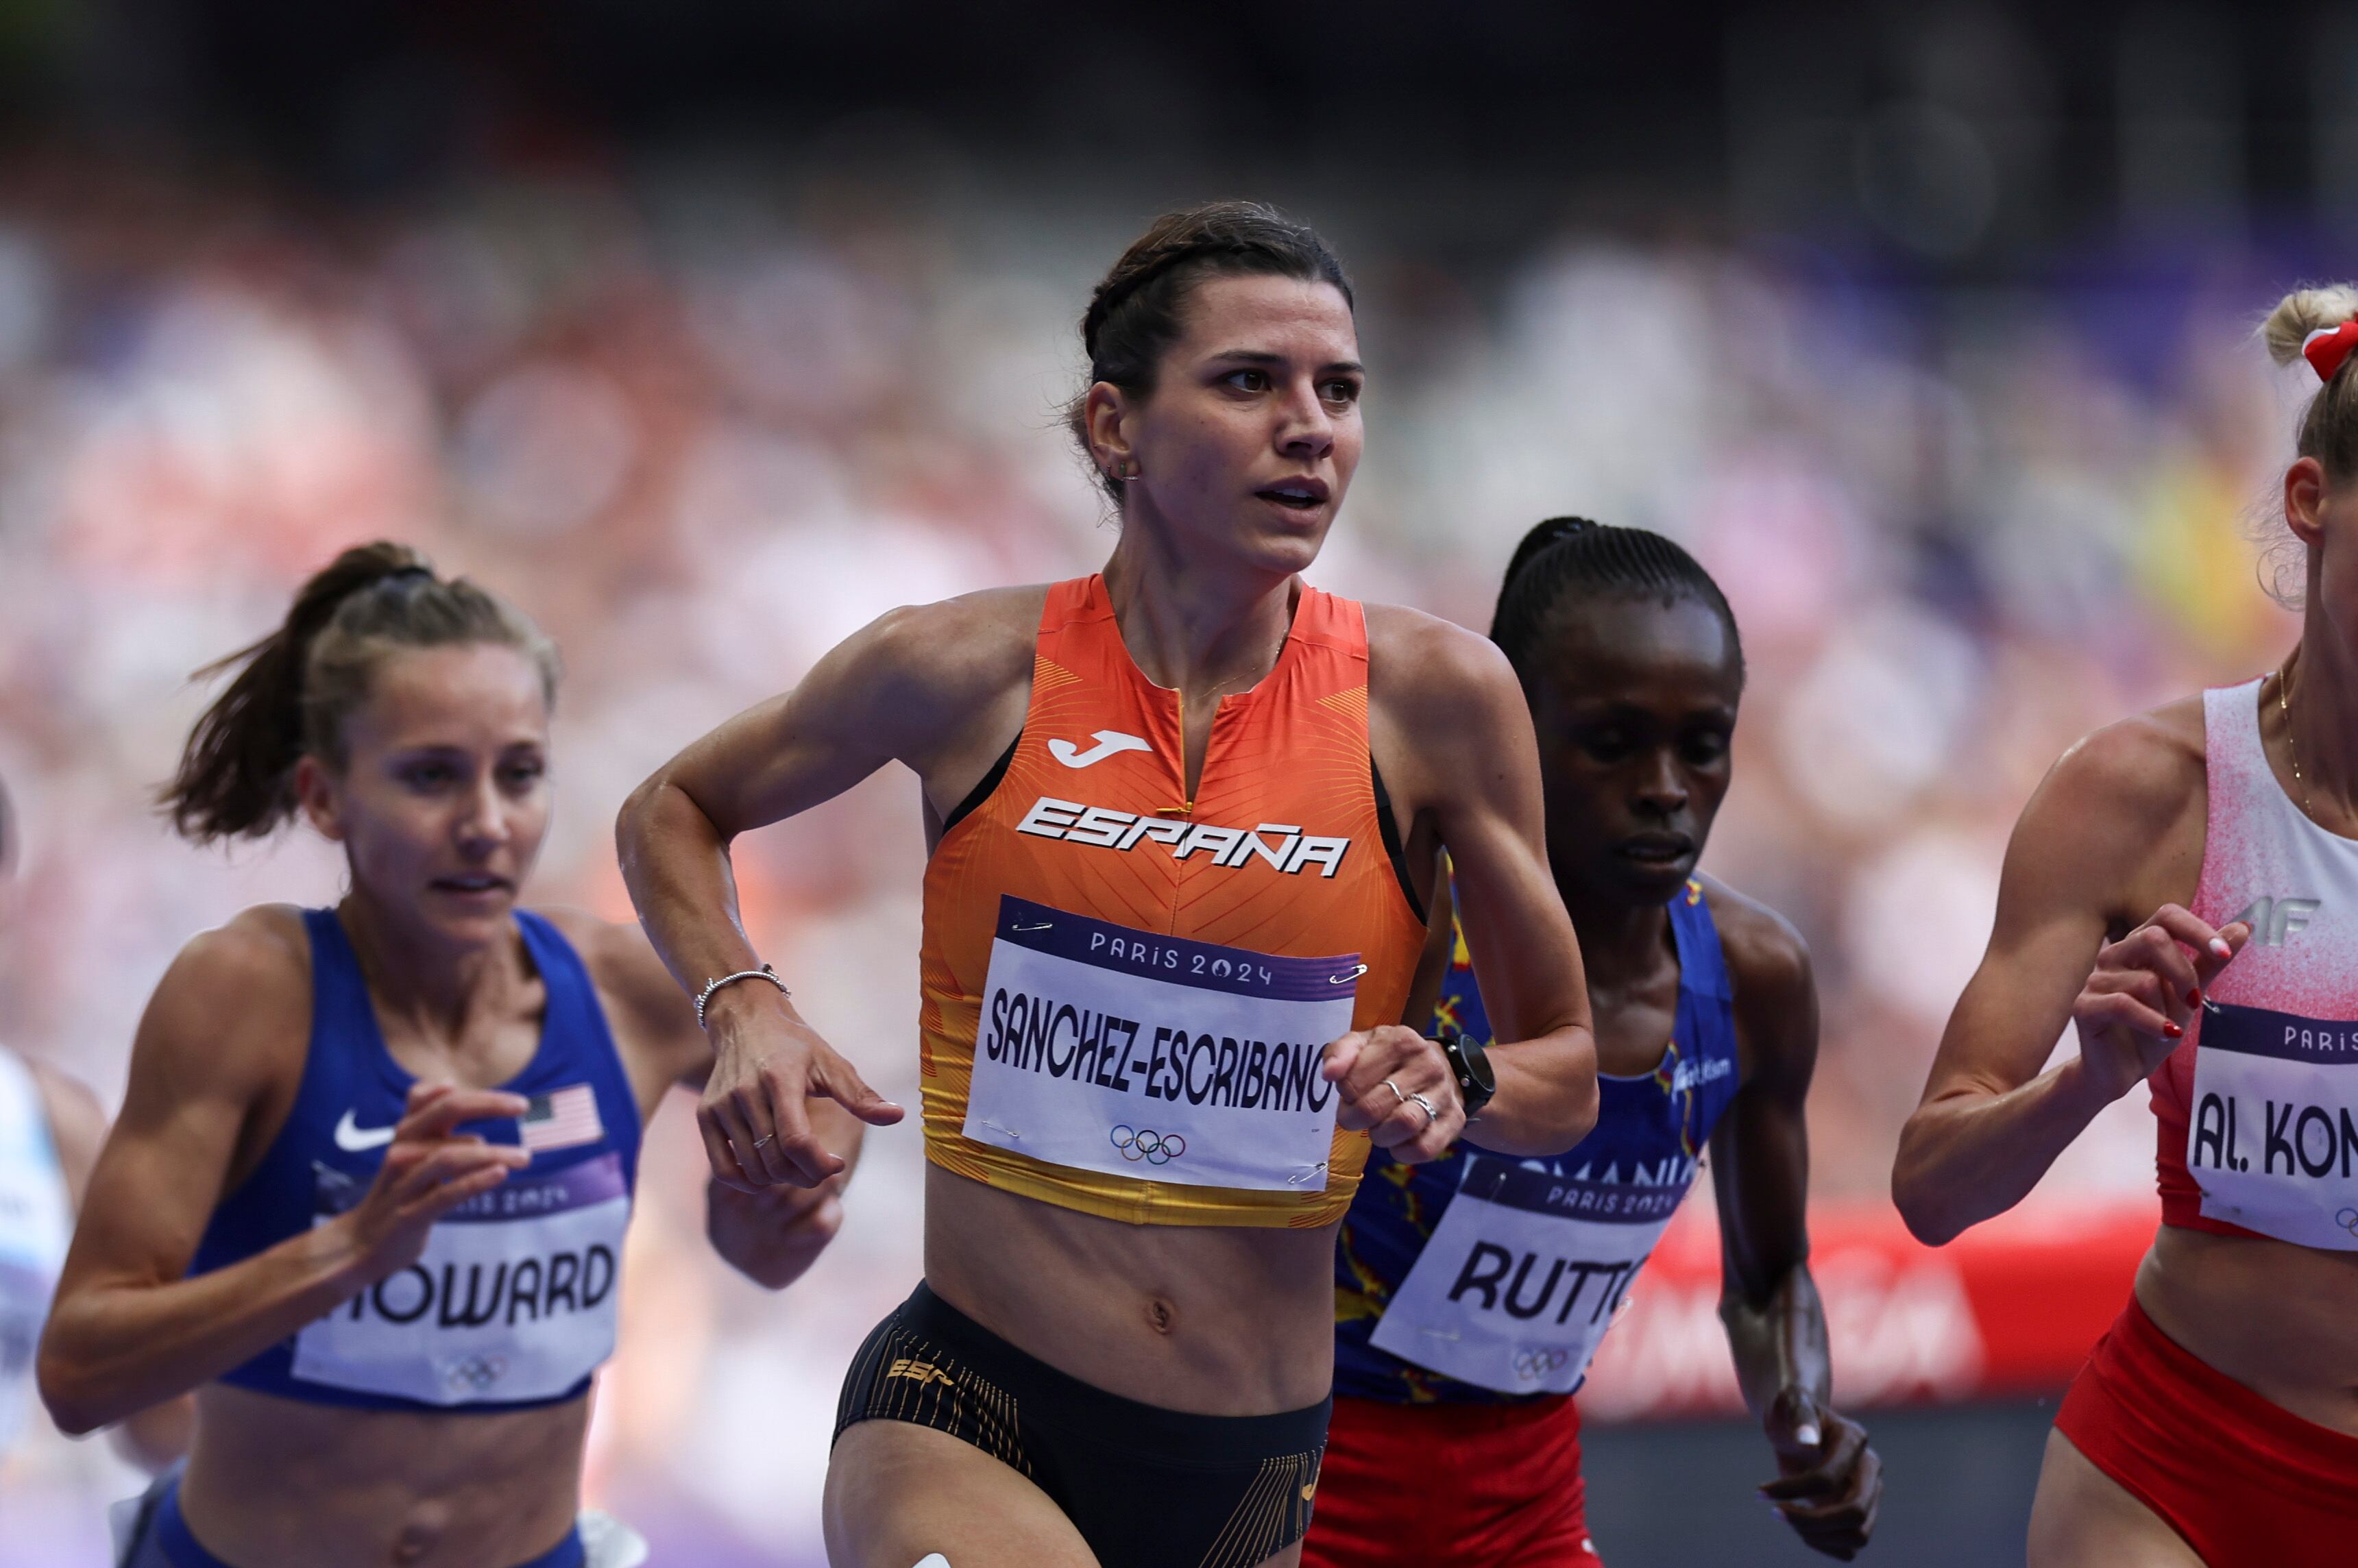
(2329, 425)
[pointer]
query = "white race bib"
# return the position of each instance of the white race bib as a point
(1123, 1052)
(513, 1299)
(2272, 1140)
(1523, 1276)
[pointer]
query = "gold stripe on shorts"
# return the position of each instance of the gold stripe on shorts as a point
(1273, 1513)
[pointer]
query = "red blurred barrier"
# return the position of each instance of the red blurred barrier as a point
(2008, 1309)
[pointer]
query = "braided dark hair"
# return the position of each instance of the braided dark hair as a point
(1568, 558)
(1133, 314)
(295, 688)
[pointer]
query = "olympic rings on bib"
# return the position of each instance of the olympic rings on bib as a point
(1534, 1364)
(476, 1373)
(1154, 1148)
(2348, 1220)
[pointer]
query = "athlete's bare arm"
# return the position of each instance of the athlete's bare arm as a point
(941, 688)
(158, 1435)
(2091, 929)
(214, 1068)
(773, 1235)
(1829, 1483)
(1452, 737)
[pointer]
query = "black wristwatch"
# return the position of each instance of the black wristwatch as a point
(1470, 1066)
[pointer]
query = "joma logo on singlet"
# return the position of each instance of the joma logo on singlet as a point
(2274, 921)
(1292, 850)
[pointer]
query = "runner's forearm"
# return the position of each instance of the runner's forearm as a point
(676, 864)
(1547, 1094)
(112, 1350)
(1971, 1154)
(1779, 1341)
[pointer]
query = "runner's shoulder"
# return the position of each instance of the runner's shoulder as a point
(2122, 787)
(1768, 961)
(1428, 671)
(957, 651)
(239, 995)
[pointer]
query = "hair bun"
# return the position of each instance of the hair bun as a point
(1544, 536)
(2304, 313)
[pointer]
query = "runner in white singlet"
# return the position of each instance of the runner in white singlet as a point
(2183, 888)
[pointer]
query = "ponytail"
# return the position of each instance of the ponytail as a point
(236, 775)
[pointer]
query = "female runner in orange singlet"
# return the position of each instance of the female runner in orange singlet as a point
(1183, 814)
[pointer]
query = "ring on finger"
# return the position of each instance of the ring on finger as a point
(1396, 1092)
(765, 1137)
(1432, 1115)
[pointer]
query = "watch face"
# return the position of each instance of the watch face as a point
(1472, 1064)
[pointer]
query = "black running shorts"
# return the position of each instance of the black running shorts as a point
(1147, 1487)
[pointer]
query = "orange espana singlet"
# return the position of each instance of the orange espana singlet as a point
(1280, 854)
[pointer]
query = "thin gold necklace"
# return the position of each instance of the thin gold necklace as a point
(2292, 748)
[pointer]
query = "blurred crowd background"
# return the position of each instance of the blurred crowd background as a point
(708, 331)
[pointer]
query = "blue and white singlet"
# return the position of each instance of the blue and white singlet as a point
(36, 1221)
(1480, 1277)
(514, 1302)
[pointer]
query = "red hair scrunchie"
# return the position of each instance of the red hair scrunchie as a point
(2326, 348)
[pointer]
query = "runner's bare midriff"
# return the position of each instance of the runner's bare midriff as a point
(1211, 1320)
(420, 1488)
(2276, 1317)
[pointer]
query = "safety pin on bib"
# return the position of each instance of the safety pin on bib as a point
(1345, 980)
(1305, 1173)
(1008, 1131)
(1036, 926)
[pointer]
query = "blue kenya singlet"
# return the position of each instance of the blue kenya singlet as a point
(514, 1302)
(1507, 1297)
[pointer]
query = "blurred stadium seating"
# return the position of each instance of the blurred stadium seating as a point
(1972, 489)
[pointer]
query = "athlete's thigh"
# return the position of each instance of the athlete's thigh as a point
(2084, 1518)
(896, 1492)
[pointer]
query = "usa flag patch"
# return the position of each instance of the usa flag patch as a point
(563, 1119)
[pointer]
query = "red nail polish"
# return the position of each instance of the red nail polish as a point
(2194, 996)
(2172, 1030)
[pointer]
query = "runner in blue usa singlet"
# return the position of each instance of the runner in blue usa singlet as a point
(1471, 1291)
(512, 1303)
(368, 1192)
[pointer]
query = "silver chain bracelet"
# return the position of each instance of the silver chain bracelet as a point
(763, 973)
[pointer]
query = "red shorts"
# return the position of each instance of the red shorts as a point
(1477, 1486)
(2246, 1482)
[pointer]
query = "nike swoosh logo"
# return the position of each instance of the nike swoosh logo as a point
(354, 1139)
(1109, 743)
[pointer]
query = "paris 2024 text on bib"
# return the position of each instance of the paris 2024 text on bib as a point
(1104, 1048)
